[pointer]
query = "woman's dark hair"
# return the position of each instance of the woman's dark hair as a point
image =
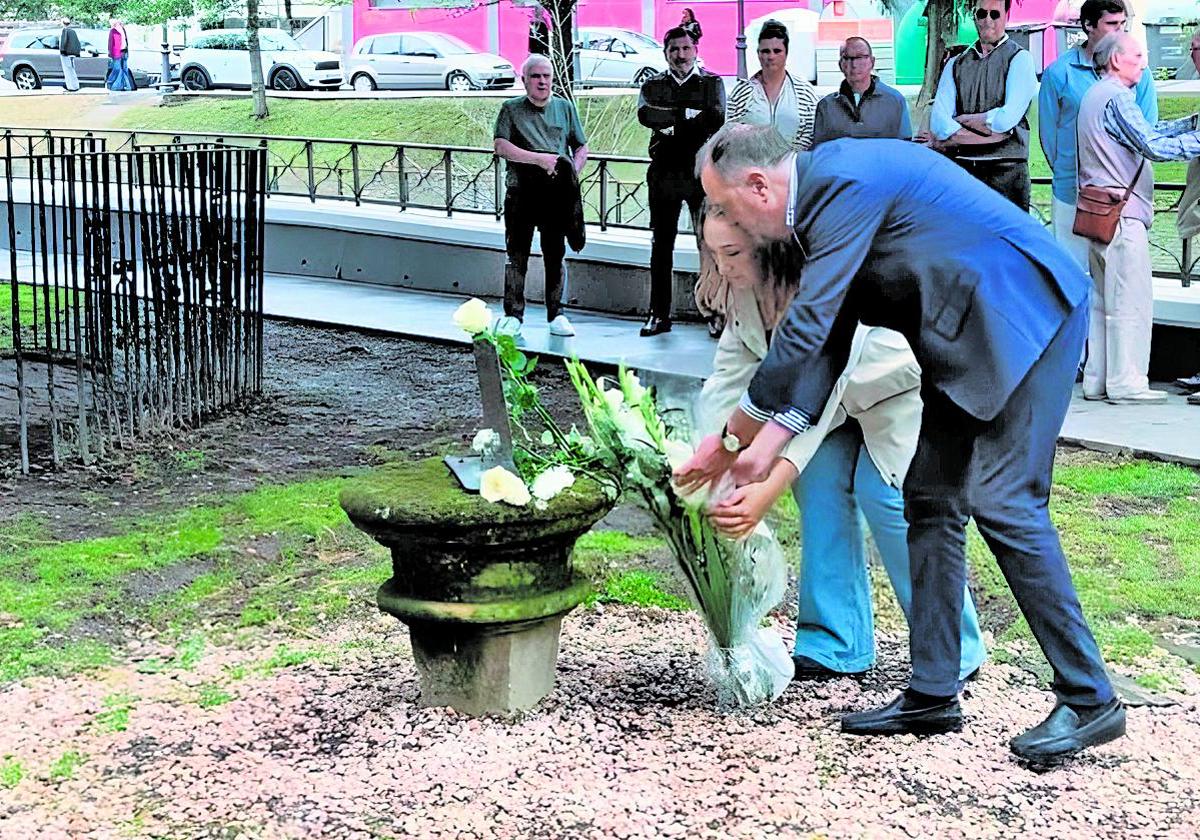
(774, 29)
(1092, 10)
(691, 15)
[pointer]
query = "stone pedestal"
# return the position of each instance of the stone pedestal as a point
(482, 587)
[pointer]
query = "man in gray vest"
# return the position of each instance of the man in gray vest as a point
(978, 115)
(1116, 143)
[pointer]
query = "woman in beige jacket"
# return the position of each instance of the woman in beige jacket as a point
(853, 459)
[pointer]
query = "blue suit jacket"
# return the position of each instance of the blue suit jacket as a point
(899, 236)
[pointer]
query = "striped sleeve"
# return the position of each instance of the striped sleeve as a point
(739, 102)
(806, 107)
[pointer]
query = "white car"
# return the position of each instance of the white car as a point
(618, 57)
(425, 60)
(221, 59)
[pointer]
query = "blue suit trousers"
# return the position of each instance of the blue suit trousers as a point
(998, 471)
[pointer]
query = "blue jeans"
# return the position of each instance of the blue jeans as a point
(835, 625)
(119, 77)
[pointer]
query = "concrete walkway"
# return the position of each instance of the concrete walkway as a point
(681, 358)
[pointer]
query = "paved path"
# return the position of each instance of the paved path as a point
(1170, 432)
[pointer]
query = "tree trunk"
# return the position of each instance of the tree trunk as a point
(258, 89)
(287, 13)
(942, 28)
(562, 45)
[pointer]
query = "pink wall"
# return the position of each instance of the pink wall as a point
(717, 17)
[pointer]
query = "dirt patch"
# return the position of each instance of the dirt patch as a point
(333, 401)
(147, 585)
(1114, 507)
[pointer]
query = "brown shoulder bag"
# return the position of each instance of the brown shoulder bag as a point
(1098, 210)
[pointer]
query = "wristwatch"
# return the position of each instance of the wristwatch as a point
(730, 441)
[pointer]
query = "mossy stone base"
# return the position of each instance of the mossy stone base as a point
(482, 587)
(486, 669)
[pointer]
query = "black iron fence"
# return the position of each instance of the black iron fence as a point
(134, 291)
(465, 179)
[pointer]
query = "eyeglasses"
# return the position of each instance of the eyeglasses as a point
(850, 59)
(983, 14)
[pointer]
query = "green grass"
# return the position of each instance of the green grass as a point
(11, 772)
(115, 715)
(47, 587)
(1131, 532)
(65, 766)
(212, 695)
(639, 589)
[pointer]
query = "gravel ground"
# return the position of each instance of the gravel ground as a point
(628, 745)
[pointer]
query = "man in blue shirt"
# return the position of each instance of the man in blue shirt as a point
(1063, 85)
(895, 235)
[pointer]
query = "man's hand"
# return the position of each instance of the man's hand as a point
(739, 514)
(974, 122)
(710, 460)
(547, 162)
(755, 462)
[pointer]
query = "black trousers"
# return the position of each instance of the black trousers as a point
(1010, 178)
(525, 210)
(670, 188)
(998, 471)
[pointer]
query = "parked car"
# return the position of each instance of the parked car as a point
(221, 59)
(618, 57)
(29, 59)
(427, 60)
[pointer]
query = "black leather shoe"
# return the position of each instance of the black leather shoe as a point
(655, 326)
(1067, 731)
(903, 716)
(810, 670)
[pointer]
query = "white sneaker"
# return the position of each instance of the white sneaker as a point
(1147, 397)
(508, 325)
(561, 326)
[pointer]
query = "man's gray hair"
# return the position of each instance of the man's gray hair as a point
(860, 39)
(1110, 45)
(738, 146)
(533, 60)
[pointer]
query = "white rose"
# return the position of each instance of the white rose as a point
(485, 440)
(499, 485)
(677, 453)
(552, 482)
(473, 316)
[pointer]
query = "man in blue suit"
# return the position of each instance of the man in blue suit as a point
(996, 312)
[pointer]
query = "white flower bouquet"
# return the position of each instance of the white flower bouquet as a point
(733, 583)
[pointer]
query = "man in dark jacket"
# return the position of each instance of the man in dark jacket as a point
(68, 52)
(863, 106)
(995, 313)
(682, 107)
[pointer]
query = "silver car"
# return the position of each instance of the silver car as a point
(30, 59)
(609, 56)
(426, 60)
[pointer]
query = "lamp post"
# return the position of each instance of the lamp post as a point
(164, 81)
(741, 39)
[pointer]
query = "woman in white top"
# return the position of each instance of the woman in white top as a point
(853, 459)
(773, 96)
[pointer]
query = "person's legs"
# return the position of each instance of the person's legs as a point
(518, 239)
(1014, 459)
(1010, 178)
(1129, 310)
(834, 625)
(553, 239)
(1062, 216)
(70, 77)
(936, 507)
(1095, 369)
(883, 506)
(666, 199)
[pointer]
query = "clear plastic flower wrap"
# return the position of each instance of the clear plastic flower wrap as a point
(734, 583)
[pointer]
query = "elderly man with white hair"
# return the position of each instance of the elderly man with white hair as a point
(541, 137)
(1115, 143)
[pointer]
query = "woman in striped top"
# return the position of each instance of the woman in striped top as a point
(773, 96)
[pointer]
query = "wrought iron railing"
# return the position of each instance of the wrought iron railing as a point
(467, 179)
